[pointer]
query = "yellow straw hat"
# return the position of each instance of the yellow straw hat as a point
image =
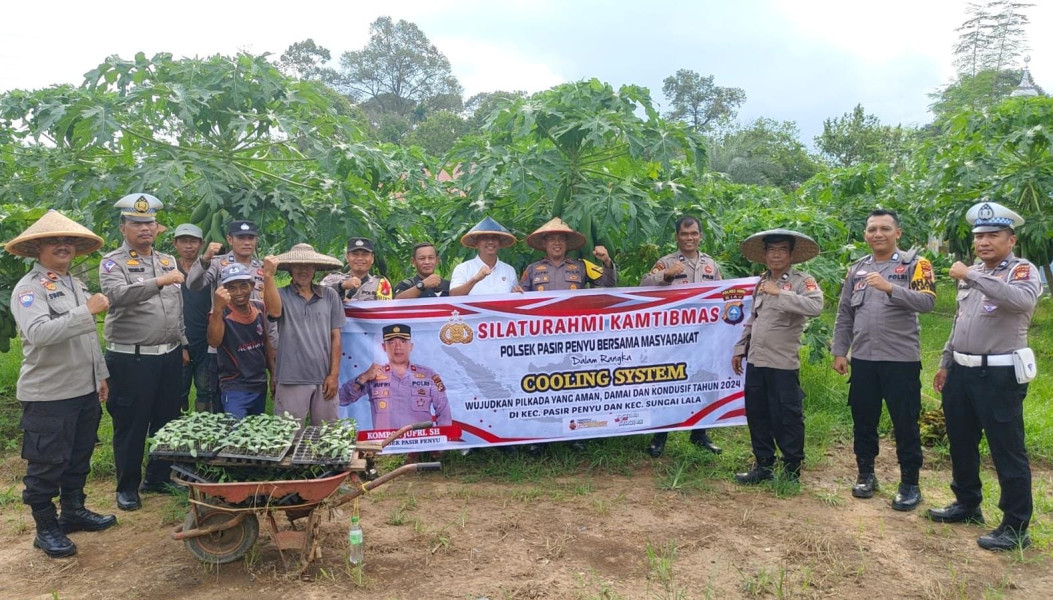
(53, 224)
(536, 240)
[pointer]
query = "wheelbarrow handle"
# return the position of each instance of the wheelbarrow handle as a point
(398, 472)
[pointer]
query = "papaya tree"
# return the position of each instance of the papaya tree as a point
(602, 159)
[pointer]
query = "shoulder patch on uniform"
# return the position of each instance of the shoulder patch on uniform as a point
(810, 284)
(439, 385)
(108, 265)
(384, 289)
(1021, 271)
(593, 270)
(658, 267)
(26, 298)
(923, 280)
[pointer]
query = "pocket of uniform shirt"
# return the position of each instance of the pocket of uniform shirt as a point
(963, 293)
(857, 299)
(45, 439)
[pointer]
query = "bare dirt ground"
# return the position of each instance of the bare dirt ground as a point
(433, 536)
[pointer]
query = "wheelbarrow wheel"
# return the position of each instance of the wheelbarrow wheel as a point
(223, 546)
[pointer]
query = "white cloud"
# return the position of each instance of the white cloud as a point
(485, 67)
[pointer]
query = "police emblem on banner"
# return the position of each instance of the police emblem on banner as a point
(733, 310)
(456, 331)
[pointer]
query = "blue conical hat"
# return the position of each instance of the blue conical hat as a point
(488, 226)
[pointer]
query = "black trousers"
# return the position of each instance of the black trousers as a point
(775, 414)
(976, 401)
(60, 437)
(144, 395)
(899, 383)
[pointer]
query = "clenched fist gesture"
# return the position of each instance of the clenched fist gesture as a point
(601, 255)
(169, 278)
(220, 299)
(270, 266)
(212, 250)
(98, 303)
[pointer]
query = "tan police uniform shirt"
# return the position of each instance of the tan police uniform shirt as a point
(994, 309)
(571, 274)
(703, 268)
(140, 311)
(201, 277)
(879, 326)
(772, 335)
(373, 288)
(62, 358)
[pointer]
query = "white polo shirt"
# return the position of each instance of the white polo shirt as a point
(501, 280)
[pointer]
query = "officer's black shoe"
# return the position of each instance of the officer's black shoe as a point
(129, 501)
(535, 450)
(75, 517)
(907, 498)
(957, 513)
(1005, 538)
(865, 485)
(50, 537)
(755, 475)
(700, 438)
(656, 447)
(791, 471)
(577, 446)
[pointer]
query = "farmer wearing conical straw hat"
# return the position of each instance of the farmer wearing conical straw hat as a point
(63, 379)
(309, 317)
(769, 350)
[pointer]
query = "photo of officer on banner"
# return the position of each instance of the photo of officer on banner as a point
(400, 393)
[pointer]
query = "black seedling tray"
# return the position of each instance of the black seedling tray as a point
(248, 456)
(305, 455)
(167, 453)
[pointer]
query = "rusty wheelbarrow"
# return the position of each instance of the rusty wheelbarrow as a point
(217, 531)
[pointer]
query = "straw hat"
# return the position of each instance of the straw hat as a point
(53, 224)
(804, 248)
(488, 226)
(536, 240)
(304, 254)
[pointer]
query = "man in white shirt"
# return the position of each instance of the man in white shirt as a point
(485, 274)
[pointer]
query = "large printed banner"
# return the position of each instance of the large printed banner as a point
(544, 366)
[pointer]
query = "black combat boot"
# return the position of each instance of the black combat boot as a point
(75, 517)
(759, 473)
(866, 482)
(50, 537)
(700, 438)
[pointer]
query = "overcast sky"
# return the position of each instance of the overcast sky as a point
(803, 60)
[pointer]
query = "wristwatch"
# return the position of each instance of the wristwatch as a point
(420, 286)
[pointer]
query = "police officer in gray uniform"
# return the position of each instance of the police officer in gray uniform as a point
(358, 283)
(686, 265)
(557, 272)
(983, 393)
(877, 318)
(145, 346)
(771, 343)
(62, 381)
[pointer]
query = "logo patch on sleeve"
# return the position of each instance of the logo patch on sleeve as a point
(26, 298)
